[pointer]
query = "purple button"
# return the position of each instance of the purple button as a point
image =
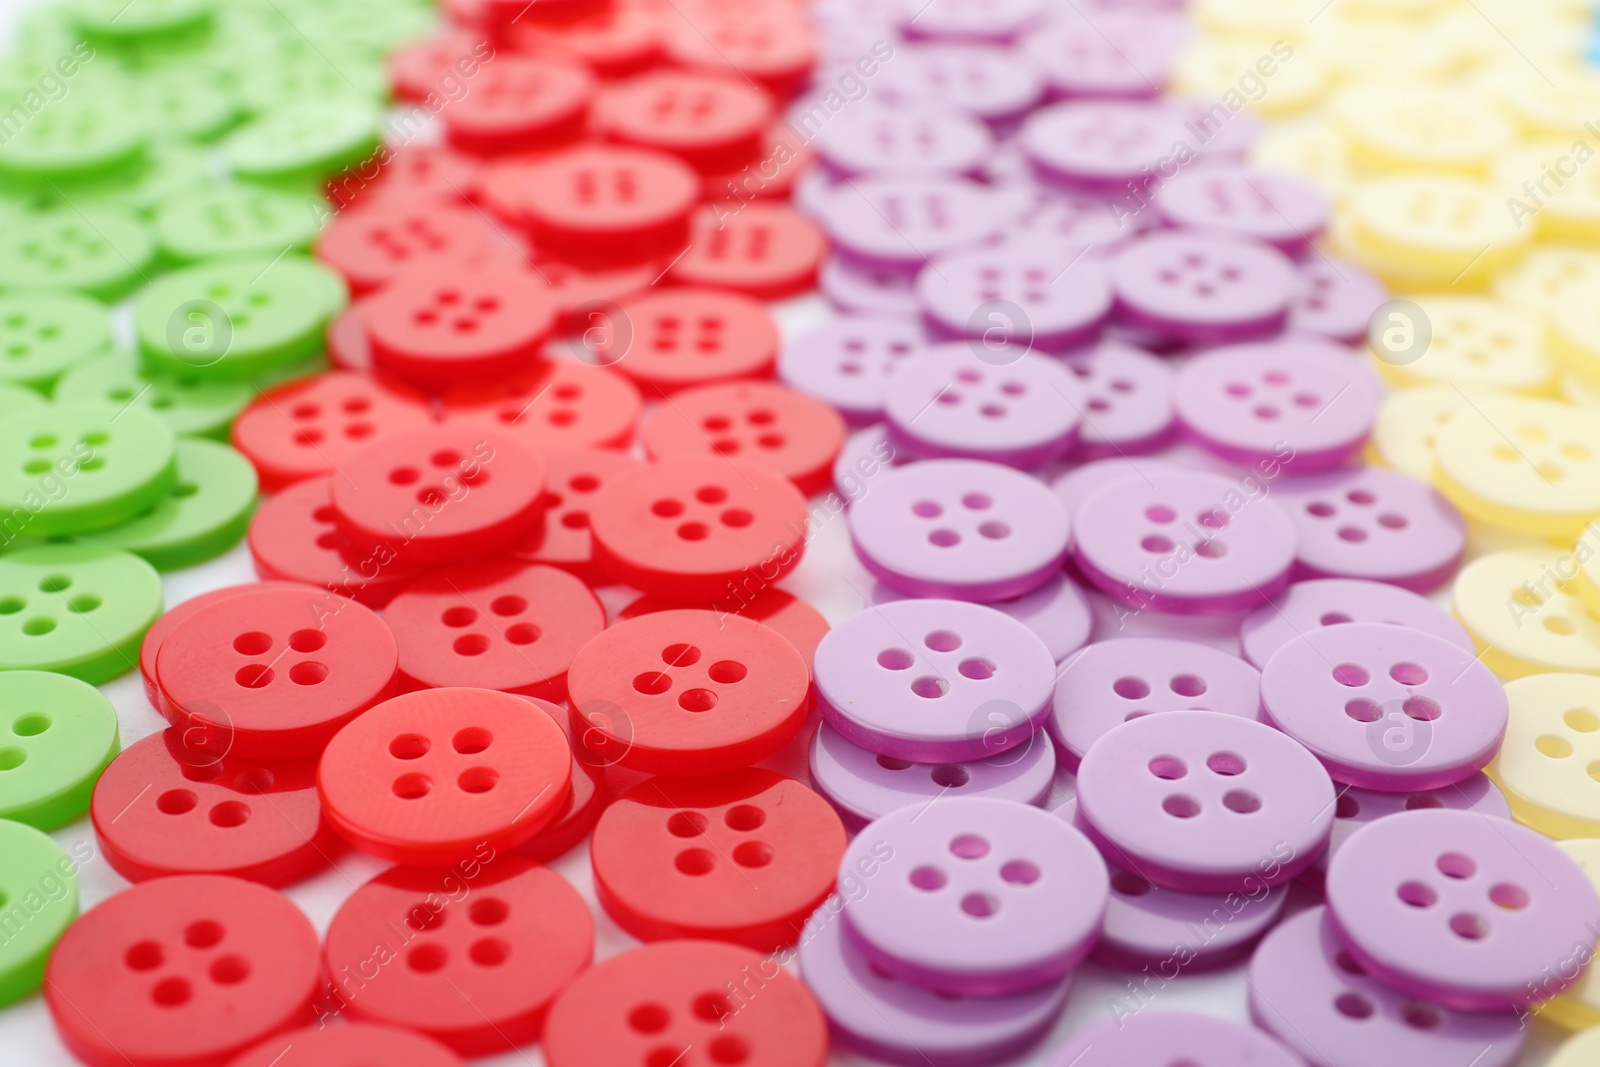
(874, 290)
(1204, 802)
(864, 786)
(1373, 523)
(1113, 682)
(998, 21)
(934, 680)
(1385, 707)
(885, 1018)
(968, 399)
(1163, 929)
(981, 898)
(846, 361)
(1129, 409)
(1307, 403)
(1357, 807)
(1101, 146)
(874, 138)
(1335, 299)
(1478, 914)
(1079, 483)
(1058, 612)
(1305, 988)
(904, 222)
(1308, 606)
(1284, 210)
(961, 529)
(1203, 288)
(988, 82)
(1077, 224)
(1107, 54)
(1032, 293)
(1189, 544)
(1171, 1039)
(866, 455)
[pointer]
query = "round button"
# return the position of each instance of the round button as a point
(1168, 1036)
(219, 962)
(847, 361)
(520, 104)
(1128, 405)
(472, 955)
(911, 138)
(1204, 802)
(230, 220)
(668, 340)
(1466, 341)
(866, 288)
(768, 251)
(1336, 299)
(769, 45)
(565, 405)
(1549, 745)
(800, 623)
(57, 735)
(598, 205)
(1099, 146)
(1202, 289)
(1284, 210)
(1108, 56)
(347, 1046)
(572, 478)
(1427, 232)
(711, 122)
(688, 693)
(79, 610)
(372, 244)
(100, 250)
(1357, 807)
(743, 857)
(1021, 292)
(46, 333)
(985, 81)
(1307, 606)
(1525, 615)
(1058, 612)
(190, 406)
(900, 222)
(42, 879)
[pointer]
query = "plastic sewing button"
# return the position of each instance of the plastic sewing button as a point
(911, 138)
(596, 205)
(191, 406)
(799, 622)
(1203, 289)
(1022, 291)
(75, 609)
(302, 139)
(688, 692)
(475, 959)
(1310, 993)
(78, 467)
(587, 798)
(847, 360)
(455, 770)
(567, 405)
(1112, 682)
(1184, 544)
(1017, 895)
(1472, 912)
(1108, 55)
(520, 103)
(768, 45)
(45, 334)
(225, 963)
(708, 530)
(788, 432)
(863, 786)
(166, 807)
(1081, 482)
(1058, 612)
(1372, 523)
(1167, 1036)
(15, 398)
(962, 529)
(662, 1000)
(416, 69)
(232, 220)
(902, 222)
(371, 244)
(274, 673)
(1408, 425)
(1384, 707)
(613, 41)
(743, 857)
(1099, 145)
(584, 297)
(1282, 209)
(439, 494)
(572, 478)
(153, 638)
(1336, 299)
(1550, 743)
(710, 122)
(99, 250)
(668, 340)
(1525, 615)
(204, 514)
(768, 251)
(1128, 405)
(984, 81)
(1473, 341)
(1432, 231)
(1205, 802)
(973, 683)
(495, 625)
(347, 1046)
(1576, 1009)
(40, 882)
(56, 735)
(1306, 606)
(876, 1014)
(864, 288)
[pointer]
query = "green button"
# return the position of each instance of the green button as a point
(75, 609)
(83, 466)
(237, 318)
(234, 220)
(84, 133)
(139, 21)
(166, 169)
(56, 735)
(42, 333)
(303, 139)
(191, 405)
(261, 87)
(17, 398)
(38, 901)
(184, 100)
(97, 249)
(206, 513)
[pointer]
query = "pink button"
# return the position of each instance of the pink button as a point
(1308, 606)
(1169, 1039)
(1200, 288)
(1099, 146)
(847, 361)
(1023, 291)
(1058, 612)
(1129, 405)
(1335, 299)
(1282, 209)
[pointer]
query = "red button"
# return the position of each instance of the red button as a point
(439, 323)
(706, 530)
(623, 39)
(163, 808)
(583, 297)
(769, 44)
(688, 693)
(414, 171)
(712, 122)
(470, 956)
(498, 624)
(438, 495)
(430, 777)
(181, 972)
(346, 341)
(768, 251)
(274, 673)
(518, 103)
(578, 815)
(601, 205)
(669, 339)
(562, 406)
(794, 434)
(571, 481)
(355, 1045)
(293, 538)
(441, 62)
(786, 613)
(783, 160)
(169, 621)
(373, 243)
(308, 428)
(667, 1003)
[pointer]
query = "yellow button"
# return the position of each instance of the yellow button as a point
(1578, 1008)
(1580, 391)
(1398, 128)
(1477, 341)
(1525, 613)
(1309, 146)
(1554, 187)
(1581, 1050)
(1574, 334)
(1433, 230)
(1364, 51)
(1551, 103)
(1410, 420)
(1216, 68)
(1522, 464)
(1549, 764)
(1549, 275)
